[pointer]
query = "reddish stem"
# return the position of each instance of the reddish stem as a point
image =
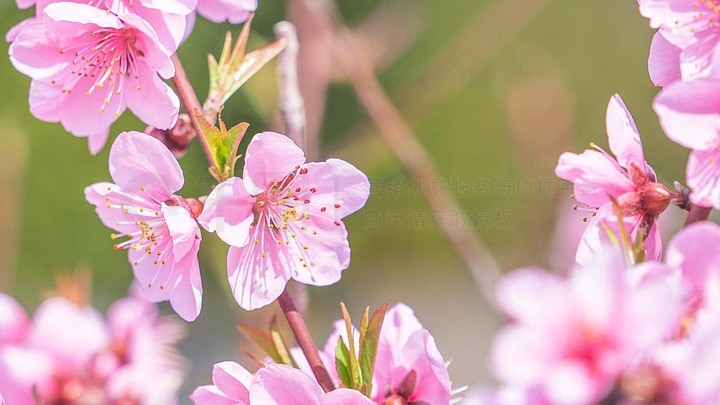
(192, 103)
(697, 214)
(294, 318)
(305, 341)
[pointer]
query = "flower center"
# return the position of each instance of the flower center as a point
(709, 11)
(104, 57)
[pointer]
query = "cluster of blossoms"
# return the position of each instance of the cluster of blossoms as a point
(89, 60)
(409, 370)
(69, 353)
(622, 326)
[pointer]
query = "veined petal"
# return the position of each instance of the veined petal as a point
(233, 380)
(623, 135)
(183, 229)
(689, 112)
(153, 101)
(595, 175)
(270, 157)
(703, 177)
(664, 61)
(336, 185)
(283, 385)
(139, 162)
(228, 211)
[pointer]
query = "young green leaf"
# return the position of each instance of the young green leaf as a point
(342, 362)
(370, 337)
(355, 373)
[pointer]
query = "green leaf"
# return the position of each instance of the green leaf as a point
(355, 373)
(342, 362)
(369, 338)
(223, 144)
(262, 339)
(235, 67)
(279, 344)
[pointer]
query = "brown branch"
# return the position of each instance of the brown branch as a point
(305, 341)
(291, 102)
(192, 103)
(697, 214)
(409, 151)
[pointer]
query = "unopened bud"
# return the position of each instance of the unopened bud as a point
(178, 138)
(655, 198)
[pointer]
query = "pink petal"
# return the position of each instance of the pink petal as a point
(66, 13)
(664, 61)
(13, 32)
(22, 369)
(703, 177)
(698, 57)
(326, 256)
(211, 395)
(283, 385)
(187, 295)
(667, 12)
(228, 211)
(99, 194)
(257, 281)
(183, 229)
(233, 380)
(181, 7)
(33, 52)
(433, 381)
(234, 11)
(25, 3)
(689, 112)
(154, 102)
(270, 157)
(531, 294)
(344, 396)
(688, 250)
(69, 334)
(139, 162)
(336, 185)
(14, 322)
(156, 56)
(97, 141)
(596, 177)
(623, 135)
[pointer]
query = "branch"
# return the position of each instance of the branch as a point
(190, 101)
(305, 341)
(409, 151)
(291, 101)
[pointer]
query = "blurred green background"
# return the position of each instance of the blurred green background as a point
(495, 90)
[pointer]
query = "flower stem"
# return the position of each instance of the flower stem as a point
(305, 341)
(697, 214)
(192, 103)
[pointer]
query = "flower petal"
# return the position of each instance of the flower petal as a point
(139, 162)
(689, 112)
(256, 280)
(283, 385)
(623, 135)
(664, 61)
(233, 380)
(596, 177)
(703, 177)
(269, 158)
(336, 185)
(228, 211)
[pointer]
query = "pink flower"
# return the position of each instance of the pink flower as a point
(168, 19)
(283, 219)
(408, 367)
(72, 355)
(599, 179)
(687, 42)
(163, 237)
(141, 361)
(88, 65)
(571, 338)
(273, 384)
(14, 323)
(689, 113)
(233, 11)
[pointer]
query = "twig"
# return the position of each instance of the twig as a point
(305, 341)
(409, 151)
(190, 101)
(294, 318)
(697, 214)
(291, 102)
